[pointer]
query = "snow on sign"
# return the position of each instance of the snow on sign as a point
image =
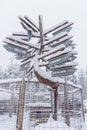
(64, 72)
(59, 60)
(54, 48)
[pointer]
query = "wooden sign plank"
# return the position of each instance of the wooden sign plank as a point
(60, 53)
(54, 50)
(63, 40)
(22, 42)
(15, 44)
(67, 27)
(64, 72)
(60, 60)
(62, 35)
(64, 66)
(19, 56)
(25, 21)
(32, 22)
(55, 27)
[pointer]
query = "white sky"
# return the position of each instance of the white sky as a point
(53, 11)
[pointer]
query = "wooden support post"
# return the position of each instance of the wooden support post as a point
(41, 34)
(82, 101)
(82, 105)
(21, 105)
(55, 104)
(67, 118)
(73, 104)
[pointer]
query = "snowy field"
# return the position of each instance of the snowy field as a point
(7, 123)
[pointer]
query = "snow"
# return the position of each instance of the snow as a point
(47, 75)
(71, 64)
(24, 20)
(32, 22)
(4, 95)
(54, 50)
(34, 79)
(62, 27)
(24, 43)
(62, 40)
(7, 123)
(62, 81)
(26, 60)
(15, 44)
(24, 34)
(63, 34)
(39, 104)
(44, 74)
(65, 51)
(70, 92)
(10, 80)
(85, 123)
(53, 125)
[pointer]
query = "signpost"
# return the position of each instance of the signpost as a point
(54, 51)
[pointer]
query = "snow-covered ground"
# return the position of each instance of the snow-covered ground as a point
(7, 123)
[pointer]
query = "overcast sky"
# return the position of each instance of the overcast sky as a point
(53, 11)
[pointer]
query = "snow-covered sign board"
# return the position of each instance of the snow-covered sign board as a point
(54, 47)
(59, 60)
(63, 72)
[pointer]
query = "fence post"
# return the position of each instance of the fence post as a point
(67, 118)
(21, 104)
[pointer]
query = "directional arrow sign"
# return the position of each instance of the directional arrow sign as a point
(63, 40)
(19, 57)
(67, 29)
(62, 35)
(64, 66)
(72, 57)
(14, 49)
(67, 43)
(60, 53)
(63, 72)
(59, 60)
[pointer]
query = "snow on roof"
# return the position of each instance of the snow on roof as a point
(6, 81)
(62, 81)
(70, 92)
(34, 79)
